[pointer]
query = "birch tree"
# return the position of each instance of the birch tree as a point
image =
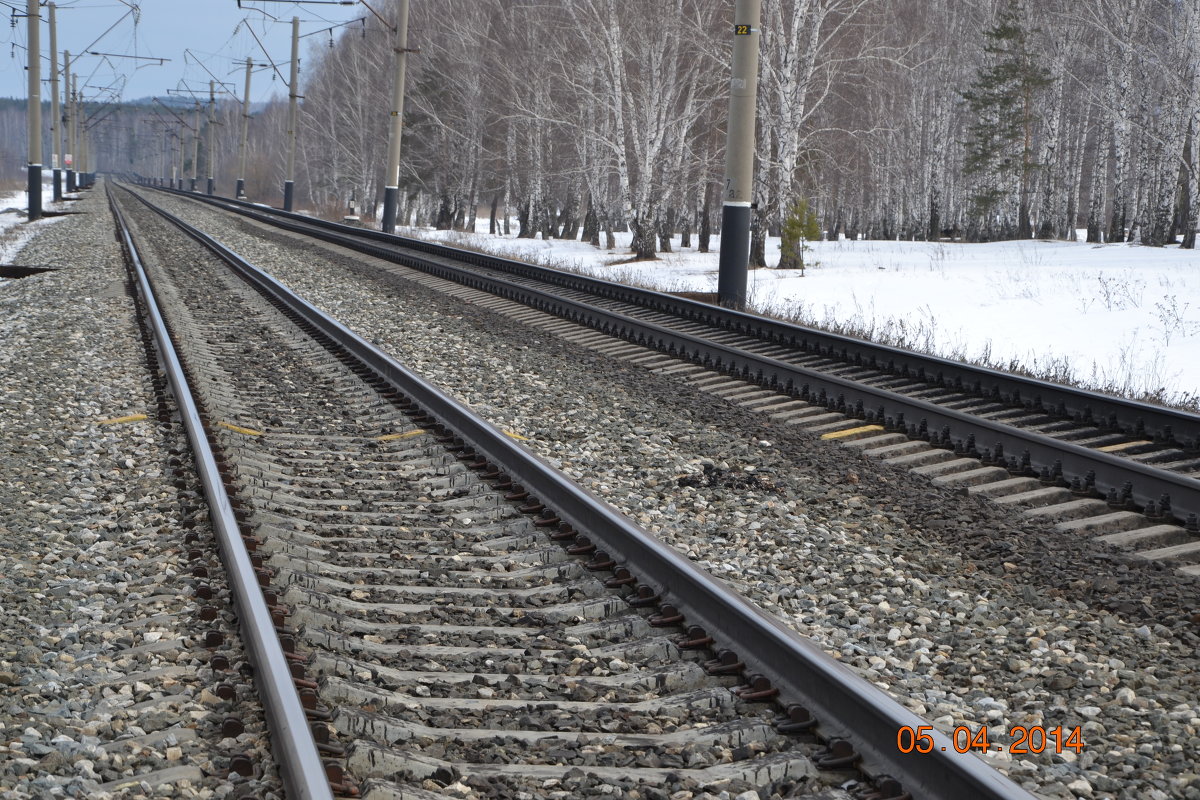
(651, 89)
(584, 115)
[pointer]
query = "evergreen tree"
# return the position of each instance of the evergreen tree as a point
(1000, 135)
(800, 227)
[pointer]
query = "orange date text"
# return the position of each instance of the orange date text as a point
(1026, 740)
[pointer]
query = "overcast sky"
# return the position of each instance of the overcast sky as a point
(212, 31)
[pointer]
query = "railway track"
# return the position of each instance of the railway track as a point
(1126, 471)
(453, 615)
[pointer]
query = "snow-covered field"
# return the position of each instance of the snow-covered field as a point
(1119, 317)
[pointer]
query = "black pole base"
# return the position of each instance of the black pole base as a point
(212, 185)
(289, 188)
(58, 185)
(391, 196)
(735, 256)
(241, 189)
(192, 185)
(71, 185)
(35, 192)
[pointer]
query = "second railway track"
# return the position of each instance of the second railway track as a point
(440, 636)
(1090, 462)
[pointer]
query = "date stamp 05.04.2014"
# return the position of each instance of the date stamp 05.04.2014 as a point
(1021, 740)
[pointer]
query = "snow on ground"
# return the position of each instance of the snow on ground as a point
(14, 229)
(1119, 317)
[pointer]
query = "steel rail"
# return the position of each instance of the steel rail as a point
(846, 705)
(295, 750)
(1132, 417)
(1133, 483)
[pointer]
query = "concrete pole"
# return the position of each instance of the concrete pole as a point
(33, 113)
(56, 141)
(179, 168)
(212, 130)
(289, 181)
(85, 166)
(69, 148)
(391, 191)
(75, 161)
(195, 145)
(241, 181)
(739, 157)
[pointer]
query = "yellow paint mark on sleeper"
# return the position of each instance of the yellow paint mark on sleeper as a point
(240, 429)
(1116, 448)
(851, 432)
(119, 420)
(391, 437)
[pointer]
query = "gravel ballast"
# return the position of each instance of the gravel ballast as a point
(965, 612)
(106, 688)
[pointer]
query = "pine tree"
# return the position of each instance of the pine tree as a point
(1000, 136)
(799, 228)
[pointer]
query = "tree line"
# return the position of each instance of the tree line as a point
(914, 119)
(919, 119)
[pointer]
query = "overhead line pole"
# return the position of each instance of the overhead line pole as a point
(241, 181)
(75, 162)
(85, 155)
(391, 192)
(177, 174)
(179, 168)
(33, 112)
(68, 116)
(212, 106)
(195, 145)
(77, 128)
(289, 182)
(739, 157)
(56, 138)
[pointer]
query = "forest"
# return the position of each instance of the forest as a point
(974, 120)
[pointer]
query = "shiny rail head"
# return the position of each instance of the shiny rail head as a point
(847, 702)
(291, 738)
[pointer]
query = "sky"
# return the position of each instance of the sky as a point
(198, 36)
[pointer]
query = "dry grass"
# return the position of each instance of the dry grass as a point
(920, 338)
